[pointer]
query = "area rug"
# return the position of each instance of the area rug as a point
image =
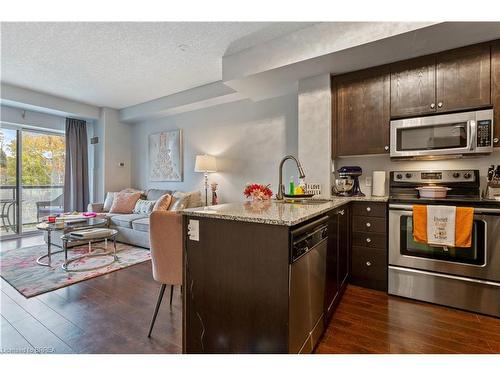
(19, 268)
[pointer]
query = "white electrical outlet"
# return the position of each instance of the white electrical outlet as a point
(194, 230)
(312, 188)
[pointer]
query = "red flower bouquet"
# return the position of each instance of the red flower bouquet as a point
(258, 192)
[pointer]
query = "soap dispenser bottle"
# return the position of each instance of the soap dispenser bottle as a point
(292, 186)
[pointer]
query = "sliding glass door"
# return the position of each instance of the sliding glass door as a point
(32, 178)
(8, 182)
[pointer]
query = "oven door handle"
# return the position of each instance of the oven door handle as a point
(409, 208)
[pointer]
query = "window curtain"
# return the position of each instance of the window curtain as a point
(76, 174)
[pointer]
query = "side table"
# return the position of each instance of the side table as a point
(68, 238)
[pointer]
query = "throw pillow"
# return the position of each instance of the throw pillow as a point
(180, 201)
(132, 190)
(144, 207)
(108, 202)
(163, 203)
(124, 203)
(195, 199)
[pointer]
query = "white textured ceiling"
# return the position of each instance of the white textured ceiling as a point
(121, 64)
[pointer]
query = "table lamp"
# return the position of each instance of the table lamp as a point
(205, 164)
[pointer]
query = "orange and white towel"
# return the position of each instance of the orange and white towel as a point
(443, 225)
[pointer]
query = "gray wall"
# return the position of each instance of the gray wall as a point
(248, 138)
(315, 130)
(32, 119)
(113, 148)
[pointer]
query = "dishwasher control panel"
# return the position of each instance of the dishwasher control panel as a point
(302, 244)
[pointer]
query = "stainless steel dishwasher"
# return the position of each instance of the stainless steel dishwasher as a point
(308, 248)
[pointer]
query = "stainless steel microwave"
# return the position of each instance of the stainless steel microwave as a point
(461, 133)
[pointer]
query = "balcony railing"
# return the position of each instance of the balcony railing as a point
(30, 211)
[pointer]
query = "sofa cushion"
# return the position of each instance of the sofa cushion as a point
(155, 194)
(141, 225)
(125, 220)
(124, 203)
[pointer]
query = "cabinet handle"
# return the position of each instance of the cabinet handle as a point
(368, 209)
(386, 148)
(368, 263)
(433, 105)
(368, 225)
(341, 212)
(368, 240)
(440, 104)
(495, 140)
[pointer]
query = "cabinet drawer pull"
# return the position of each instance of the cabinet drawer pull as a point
(368, 239)
(495, 140)
(433, 105)
(368, 209)
(386, 148)
(440, 104)
(368, 225)
(341, 212)
(368, 263)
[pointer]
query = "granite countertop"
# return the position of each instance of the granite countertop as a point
(274, 212)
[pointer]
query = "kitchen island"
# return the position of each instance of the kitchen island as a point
(245, 290)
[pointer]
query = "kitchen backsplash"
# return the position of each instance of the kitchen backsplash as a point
(384, 163)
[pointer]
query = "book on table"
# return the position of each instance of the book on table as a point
(92, 233)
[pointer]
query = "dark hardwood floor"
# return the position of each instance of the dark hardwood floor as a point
(107, 314)
(111, 314)
(369, 321)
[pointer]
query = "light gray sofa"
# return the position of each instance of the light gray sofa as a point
(134, 228)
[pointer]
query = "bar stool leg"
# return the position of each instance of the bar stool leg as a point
(157, 307)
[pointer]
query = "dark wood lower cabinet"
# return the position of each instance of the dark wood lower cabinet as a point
(337, 258)
(236, 288)
(237, 278)
(369, 245)
(369, 267)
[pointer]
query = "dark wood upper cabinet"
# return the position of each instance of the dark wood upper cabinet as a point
(463, 78)
(495, 90)
(413, 87)
(363, 102)
(361, 113)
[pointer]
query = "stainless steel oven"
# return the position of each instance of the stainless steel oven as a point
(466, 278)
(442, 135)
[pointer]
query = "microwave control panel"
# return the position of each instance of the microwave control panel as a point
(484, 133)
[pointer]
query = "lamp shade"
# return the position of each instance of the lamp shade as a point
(205, 163)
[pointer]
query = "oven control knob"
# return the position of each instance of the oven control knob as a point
(456, 174)
(399, 176)
(467, 175)
(408, 175)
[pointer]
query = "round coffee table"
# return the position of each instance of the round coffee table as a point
(68, 226)
(68, 238)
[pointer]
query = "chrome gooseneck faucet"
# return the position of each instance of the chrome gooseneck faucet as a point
(281, 187)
